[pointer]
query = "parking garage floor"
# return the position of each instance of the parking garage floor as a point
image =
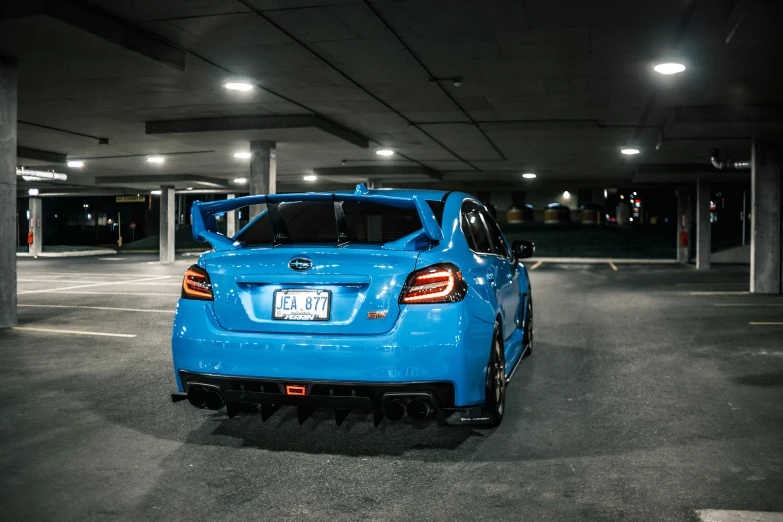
(653, 392)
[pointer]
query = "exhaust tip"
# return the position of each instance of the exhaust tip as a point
(213, 400)
(197, 396)
(419, 409)
(393, 409)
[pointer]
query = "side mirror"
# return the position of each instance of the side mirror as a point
(523, 249)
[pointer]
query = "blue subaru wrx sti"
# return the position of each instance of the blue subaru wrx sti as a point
(389, 301)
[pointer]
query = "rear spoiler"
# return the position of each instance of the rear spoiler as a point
(205, 225)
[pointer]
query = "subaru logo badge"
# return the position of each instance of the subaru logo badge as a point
(300, 264)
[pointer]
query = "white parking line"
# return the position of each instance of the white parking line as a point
(732, 515)
(147, 283)
(99, 308)
(720, 293)
(538, 263)
(711, 284)
(74, 332)
(763, 323)
(747, 304)
(56, 290)
(614, 267)
(126, 274)
(107, 293)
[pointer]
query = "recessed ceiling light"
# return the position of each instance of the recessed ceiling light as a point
(630, 151)
(75, 163)
(190, 188)
(566, 195)
(240, 180)
(669, 68)
(33, 192)
(238, 86)
(242, 155)
(155, 192)
(528, 175)
(384, 152)
(155, 159)
(310, 178)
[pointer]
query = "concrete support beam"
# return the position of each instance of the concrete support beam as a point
(683, 225)
(766, 242)
(8, 90)
(167, 222)
(231, 219)
(263, 171)
(375, 183)
(35, 206)
(703, 226)
(387, 172)
(40, 155)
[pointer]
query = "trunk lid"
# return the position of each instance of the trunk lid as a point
(364, 284)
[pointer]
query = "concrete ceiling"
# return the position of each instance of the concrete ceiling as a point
(556, 87)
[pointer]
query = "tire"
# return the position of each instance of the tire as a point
(495, 402)
(527, 339)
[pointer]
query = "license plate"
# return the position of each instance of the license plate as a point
(302, 305)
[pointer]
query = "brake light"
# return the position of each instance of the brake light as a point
(196, 284)
(441, 283)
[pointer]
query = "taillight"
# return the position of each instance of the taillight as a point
(441, 283)
(196, 284)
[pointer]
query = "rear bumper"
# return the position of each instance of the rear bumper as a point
(432, 344)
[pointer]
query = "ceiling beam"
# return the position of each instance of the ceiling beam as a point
(101, 24)
(390, 173)
(40, 155)
(727, 113)
(126, 181)
(248, 123)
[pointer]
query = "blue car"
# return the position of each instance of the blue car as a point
(393, 302)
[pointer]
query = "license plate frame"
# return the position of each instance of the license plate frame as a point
(305, 292)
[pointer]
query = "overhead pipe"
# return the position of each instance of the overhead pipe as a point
(727, 164)
(40, 175)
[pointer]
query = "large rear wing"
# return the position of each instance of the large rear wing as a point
(205, 225)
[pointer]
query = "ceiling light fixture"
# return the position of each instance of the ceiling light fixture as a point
(190, 188)
(33, 192)
(528, 175)
(669, 68)
(242, 155)
(238, 86)
(75, 163)
(310, 178)
(155, 159)
(240, 181)
(384, 152)
(155, 192)
(630, 151)
(566, 195)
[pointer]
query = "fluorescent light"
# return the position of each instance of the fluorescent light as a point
(238, 86)
(566, 195)
(669, 68)
(190, 188)
(155, 192)
(310, 178)
(242, 155)
(75, 163)
(33, 192)
(630, 151)
(240, 181)
(528, 175)
(155, 159)
(384, 152)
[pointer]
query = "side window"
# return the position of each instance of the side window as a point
(473, 225)
(501, 248)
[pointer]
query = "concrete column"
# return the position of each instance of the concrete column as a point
(231, 219)
(766, 242)
(374, 184)
(167, 222)
(263, 171)
(683, 224)
(8, 76)
(703, 225)
(35, 225)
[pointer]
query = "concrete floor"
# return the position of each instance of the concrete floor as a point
(642, 401)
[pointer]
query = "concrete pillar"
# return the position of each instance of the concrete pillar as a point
(263, 171)
(703, 225)
(231, 219)
(8, 76)
(374, 184)
(683, 224)
(35, 225)
(766, 242)
(167, 222)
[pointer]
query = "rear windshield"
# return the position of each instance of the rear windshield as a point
(315, 222)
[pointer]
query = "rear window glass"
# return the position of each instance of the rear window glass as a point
(315, 222)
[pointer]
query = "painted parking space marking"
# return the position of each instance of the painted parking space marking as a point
(728, 292)
(98, 308)
(711, 284)
(65, 281)
(538, 263)
(765, 323)
(733, 515)
(614, 267)
(109, 293)
(72, 332)
(747, 304)
(57, 290)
